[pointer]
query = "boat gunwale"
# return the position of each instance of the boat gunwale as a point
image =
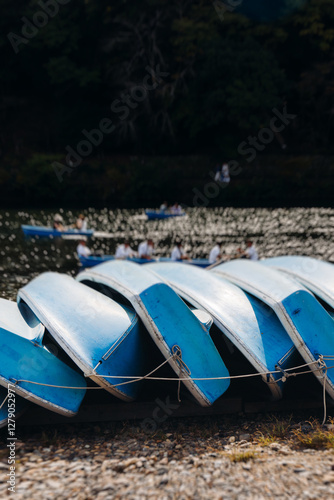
(139, 307)
(237, 341)
(55, 329)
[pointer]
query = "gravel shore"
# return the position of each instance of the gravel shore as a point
(216, 458)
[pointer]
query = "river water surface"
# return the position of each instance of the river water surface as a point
(279, 231)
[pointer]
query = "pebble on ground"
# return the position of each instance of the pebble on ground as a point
(216, 458)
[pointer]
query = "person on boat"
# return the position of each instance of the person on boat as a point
(215, 254)
(124, 251)
(225, 174)
(218, 173)
(176, 209)
(82, 249)
(164, 207)
(58, 223)
(81, 223)
(178, 253)
(250, 252)
(146, 249)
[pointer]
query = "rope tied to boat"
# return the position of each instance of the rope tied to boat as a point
(285, 375)
(177, 354)
(3, 402)
(323, 367)
(134, 378)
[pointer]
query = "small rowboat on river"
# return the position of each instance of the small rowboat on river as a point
(46, 231)
(157, 214)
(94, 260)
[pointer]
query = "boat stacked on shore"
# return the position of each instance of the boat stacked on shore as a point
(119, 325)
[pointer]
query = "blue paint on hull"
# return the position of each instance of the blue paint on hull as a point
(169, 322)
(252, 327)
(308, 324)
(23, 357)
(47, 232)
(315, 326)
(156, 215)
(103, 338)
(178, 326)
(94, 260)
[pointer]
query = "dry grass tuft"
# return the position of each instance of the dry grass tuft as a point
(243, 456)
(316, 438)
(275, 430)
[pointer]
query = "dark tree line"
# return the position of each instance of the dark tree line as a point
(159, 79)
(225, 73)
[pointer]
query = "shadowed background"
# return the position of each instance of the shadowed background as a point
(227, 66)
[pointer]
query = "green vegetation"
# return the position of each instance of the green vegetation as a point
(220, 79)
(143, 181)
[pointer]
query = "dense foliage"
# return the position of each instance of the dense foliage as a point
(173, 76)
(225, 72)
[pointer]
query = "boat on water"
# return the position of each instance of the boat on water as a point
(179, 334)
(94, 260)
(49, 232)
(30, 365)
(242, 318)
(158, 214)
(308, 324)
(316, 275)
(104, 339)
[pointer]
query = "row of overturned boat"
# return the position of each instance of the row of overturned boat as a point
(115, 327)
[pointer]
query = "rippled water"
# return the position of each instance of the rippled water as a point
(300, 231)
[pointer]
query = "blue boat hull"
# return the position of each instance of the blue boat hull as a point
(172, 325)
(104, 339)
(49, 232)
(308, 324)
(155, 215)
(94, 260)
(25, 360)
(242, 318)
